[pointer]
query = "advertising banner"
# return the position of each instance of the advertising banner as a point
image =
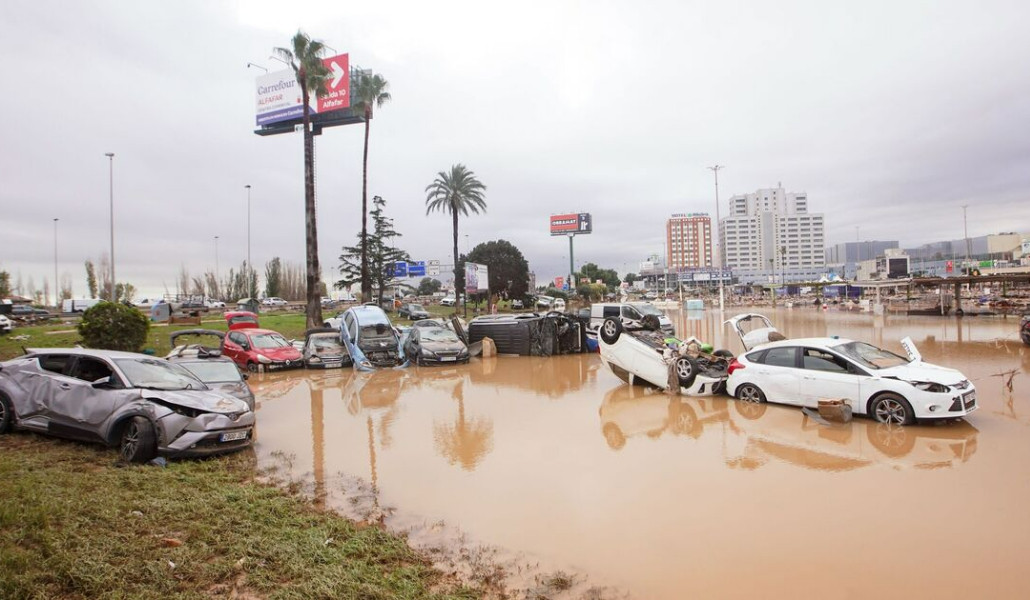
(279, 97)
(559, 282)
(476, 278)
(574, 223)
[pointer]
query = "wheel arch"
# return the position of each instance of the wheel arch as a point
(880, 393)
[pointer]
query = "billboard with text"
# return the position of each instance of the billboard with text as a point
(571, 223)
(477, 278)
(279, 96)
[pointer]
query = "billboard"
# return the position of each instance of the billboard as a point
(279, 97)
(571, 223)
(477, 278)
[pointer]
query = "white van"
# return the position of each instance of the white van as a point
(79, 304)
(631, 313)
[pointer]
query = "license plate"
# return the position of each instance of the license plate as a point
(232, 436)
(969, 400)
(333, 365)
(448, 358)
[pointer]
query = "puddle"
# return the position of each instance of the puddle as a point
(550, 477)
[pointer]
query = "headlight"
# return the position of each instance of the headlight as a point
(314, 360)
(264, 359)
(928, 386)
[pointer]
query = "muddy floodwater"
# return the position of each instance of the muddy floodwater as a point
(559, 464)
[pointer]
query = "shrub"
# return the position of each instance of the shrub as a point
(114, 327)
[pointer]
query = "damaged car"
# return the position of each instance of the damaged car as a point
(206, 363)
(650, 357)
(143, 405)
(873, 381)
(528, 334)
(435, 346)
(323, 349)
(370, 338)
(253, 348)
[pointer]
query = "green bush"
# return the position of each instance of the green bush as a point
(114, 327)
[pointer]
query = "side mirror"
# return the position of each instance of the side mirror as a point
(103, 382)
(245, 346)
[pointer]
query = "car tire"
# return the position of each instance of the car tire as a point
(749, 392)
(138, 444)
(892, 441)
(891, 409)
(610, 330)
(686, 371)
(6, 414)
(252, 367)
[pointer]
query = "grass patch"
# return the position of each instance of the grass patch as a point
(75, 524)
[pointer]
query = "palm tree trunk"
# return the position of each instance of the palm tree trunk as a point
(314, 307)
(459, 286)
(366, 282)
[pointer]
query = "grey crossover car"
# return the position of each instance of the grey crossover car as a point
(143, 405)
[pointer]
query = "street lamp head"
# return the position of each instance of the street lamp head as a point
(247, 186)
(109, 154)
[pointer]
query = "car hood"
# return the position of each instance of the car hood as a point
(442, 346)
(284, 353)
(209, 401)
(922, 371)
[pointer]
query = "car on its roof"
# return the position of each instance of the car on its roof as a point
(207, 363)
(143, 405)
(875, 382)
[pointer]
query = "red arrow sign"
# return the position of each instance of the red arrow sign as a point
(337, 86)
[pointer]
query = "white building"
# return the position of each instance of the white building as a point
(769, 235)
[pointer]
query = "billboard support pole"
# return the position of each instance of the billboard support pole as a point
(571, 269)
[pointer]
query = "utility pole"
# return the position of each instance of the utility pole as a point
(250, 267)
(965, 232)
(57, 288)
(110, 160)
(715, 236)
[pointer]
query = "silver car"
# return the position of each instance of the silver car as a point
(143, 405)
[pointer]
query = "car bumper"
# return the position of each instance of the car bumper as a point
(326, 364)
(442, 360)
(928, 406)
(207, 434)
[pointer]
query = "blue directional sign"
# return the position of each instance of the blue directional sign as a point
(417, 269)
(400, 269)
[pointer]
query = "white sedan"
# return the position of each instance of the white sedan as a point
(875, 382)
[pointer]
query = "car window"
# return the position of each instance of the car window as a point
(819, 360)
(90, 369)
(158, 374)
(870, 356)
(237, 338)
(631, 313)
(213, 371)
(269, 341)
(55, 363)
(756, 357)
(610, 311)
(780, 357)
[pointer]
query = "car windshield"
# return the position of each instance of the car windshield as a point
(870, 356)
(213, 371)
(415, 307)
(269, 340)
(326, 344)
(439, 335)
(647, 309)
(242, 319)
(156, 374)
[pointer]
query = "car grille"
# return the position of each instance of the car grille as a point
(964, 402)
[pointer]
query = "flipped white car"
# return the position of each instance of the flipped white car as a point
(875, 382)
(646, 356)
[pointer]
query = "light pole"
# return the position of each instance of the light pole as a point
(110, 160)
(718, 238)
(965, 231)
(250, 267)
(57, 297)
(217, 275)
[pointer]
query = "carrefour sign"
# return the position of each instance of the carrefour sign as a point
(279, 97)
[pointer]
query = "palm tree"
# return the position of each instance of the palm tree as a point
(306, 60)
(457, 192)
(369, 91)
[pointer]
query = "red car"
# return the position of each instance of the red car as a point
(250, 346)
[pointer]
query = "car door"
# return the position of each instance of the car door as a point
(631, 318)
(80, 409)
(778, 375)
(827, 376)
(41, 386)
(232, 347)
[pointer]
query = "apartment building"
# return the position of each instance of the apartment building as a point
(688, 241)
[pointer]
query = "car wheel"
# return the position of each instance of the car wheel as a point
(892, 409)
(750, 392)
(252, 367)
(138, 443)
(891, 440)
(6, 415)
(750, 410)
(686, 371)
(611, 329)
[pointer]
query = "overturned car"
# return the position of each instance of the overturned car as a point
(648, 356)
(528, 334)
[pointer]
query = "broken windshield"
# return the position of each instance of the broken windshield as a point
(870, 356)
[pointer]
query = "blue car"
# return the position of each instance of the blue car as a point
(370, 338)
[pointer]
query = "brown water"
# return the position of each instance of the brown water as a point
(561, 465)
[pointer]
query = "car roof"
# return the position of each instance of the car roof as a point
(825, 342)
(89, 352)
(365, 312)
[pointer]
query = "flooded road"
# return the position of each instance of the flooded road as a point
(559, 463)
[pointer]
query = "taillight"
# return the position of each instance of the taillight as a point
(734, 365)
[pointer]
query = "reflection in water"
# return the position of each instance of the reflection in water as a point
(466, 441)
(752, 434)
(630, 485)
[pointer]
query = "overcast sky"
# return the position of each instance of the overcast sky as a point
(891, 115)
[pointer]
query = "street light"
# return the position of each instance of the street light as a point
(715, 170)
(57, 301)
(965, 232)
(110, 160)
(250, 267)
(217, 275)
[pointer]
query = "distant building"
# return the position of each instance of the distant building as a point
(688, 241)
(769, 235)
(843, 259)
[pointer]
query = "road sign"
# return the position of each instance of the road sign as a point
(432, 268)
(400, 269)
(417, 269)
